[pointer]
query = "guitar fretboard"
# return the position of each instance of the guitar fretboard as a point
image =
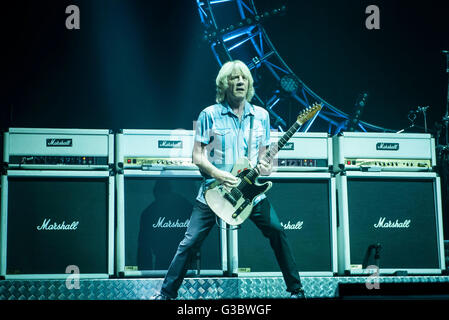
(274, 148)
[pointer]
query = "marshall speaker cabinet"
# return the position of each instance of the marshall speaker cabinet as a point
(154, 211)
(391, 220)
(56, 222)
(305, 205)
(157, 185)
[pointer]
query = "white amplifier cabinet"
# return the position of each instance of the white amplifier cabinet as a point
(153, 213)
(391, 220)
(305, 203)
(154, 149)
(372, 151)
(304, 152)
(65, 149)
(57, 222)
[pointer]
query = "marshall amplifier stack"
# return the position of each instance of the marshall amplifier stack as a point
(57, 206)
(304, 198)
(102, 204)
(157, 184)
(390, 215)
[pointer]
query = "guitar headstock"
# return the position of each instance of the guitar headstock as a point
(308, 113)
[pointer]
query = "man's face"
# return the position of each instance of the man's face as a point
(237, 86)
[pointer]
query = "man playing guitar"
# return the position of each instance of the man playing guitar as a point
(225, 132)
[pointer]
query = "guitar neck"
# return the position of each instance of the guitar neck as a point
(274, 148)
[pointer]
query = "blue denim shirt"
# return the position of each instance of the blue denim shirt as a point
(227, 137)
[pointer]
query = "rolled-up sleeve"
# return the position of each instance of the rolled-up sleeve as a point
(203, 128)
(267, 128)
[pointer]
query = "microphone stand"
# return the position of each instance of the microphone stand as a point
(423, 110)
(411, 117)
(445, 121)
(446, 116)
(443, 150)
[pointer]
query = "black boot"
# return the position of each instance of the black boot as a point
(160, 296)
(298, 294)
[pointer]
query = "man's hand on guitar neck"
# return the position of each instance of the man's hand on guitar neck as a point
(264, 168)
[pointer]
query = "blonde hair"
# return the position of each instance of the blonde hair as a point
(224, 74)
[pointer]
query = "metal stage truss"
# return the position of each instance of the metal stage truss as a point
(234, 30)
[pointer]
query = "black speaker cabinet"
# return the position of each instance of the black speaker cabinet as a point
(55, 223)
(153, 212)
(390, 220)
(305, 205)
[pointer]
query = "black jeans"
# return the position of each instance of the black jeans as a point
(201, 222)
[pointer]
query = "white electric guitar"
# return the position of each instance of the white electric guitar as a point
(234, 205)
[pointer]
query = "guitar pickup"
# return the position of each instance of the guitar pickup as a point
(228, 197)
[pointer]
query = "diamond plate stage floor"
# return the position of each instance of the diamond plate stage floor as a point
(200, 288)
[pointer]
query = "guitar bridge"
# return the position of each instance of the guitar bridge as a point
(240, 209)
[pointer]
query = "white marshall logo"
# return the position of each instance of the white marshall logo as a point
(169, 144)
(289, 226)
(59, 142)
(390, 224)
(46, 225)
(171, 224)
(387, 146)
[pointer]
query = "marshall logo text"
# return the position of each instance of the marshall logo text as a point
(170, 224)
(59, 142)
(387, 146)
(289, 146)
(289, 226)
(394, 225)
(169, 144)
(54, 226)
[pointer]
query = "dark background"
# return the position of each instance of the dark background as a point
(142, 64)
(400, 66)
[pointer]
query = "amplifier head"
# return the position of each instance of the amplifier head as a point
(148, 145)
(64, 149)
(303, 152)
(372, 151)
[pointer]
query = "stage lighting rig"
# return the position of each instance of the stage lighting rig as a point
(289, 83)
(214, 35)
